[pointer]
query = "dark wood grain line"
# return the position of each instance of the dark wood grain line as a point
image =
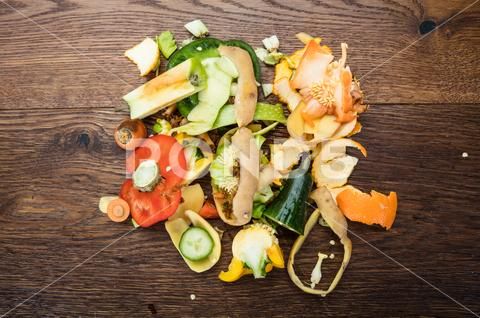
(57, 157)
(409, 152)
(63, 73)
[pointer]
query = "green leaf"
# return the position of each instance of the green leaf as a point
(273, 58)
(166, 43)
(258, 209)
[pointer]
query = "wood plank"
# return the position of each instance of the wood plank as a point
(38, 71)
(56, 163)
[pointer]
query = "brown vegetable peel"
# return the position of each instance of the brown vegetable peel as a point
(337, 222)
(247, 92)
(249, 171)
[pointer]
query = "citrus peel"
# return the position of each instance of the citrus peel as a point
(373, 208)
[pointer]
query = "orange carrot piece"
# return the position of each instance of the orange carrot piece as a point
(118, 210)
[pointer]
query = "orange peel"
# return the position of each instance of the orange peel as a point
(373, 208)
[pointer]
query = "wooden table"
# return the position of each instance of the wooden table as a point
(63, 75)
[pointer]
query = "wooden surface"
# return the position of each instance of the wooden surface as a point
(63, 75)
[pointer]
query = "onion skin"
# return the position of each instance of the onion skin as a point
(129, 134)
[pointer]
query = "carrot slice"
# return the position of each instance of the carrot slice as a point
(373, 208)
(118, 210)
(208, 211)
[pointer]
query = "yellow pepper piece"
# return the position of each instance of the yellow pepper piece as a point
(235, 271)
(248, 271)
(275, 255)
(282, 70)
(294, 59)
(269, 267)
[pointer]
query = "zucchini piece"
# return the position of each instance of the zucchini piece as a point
(196, 244)
(289, 208)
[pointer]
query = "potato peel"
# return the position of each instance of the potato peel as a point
(337, 222)
(338, 148)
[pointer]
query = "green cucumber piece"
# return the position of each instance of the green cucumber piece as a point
(263, 111)
(288, 209)
(196, 244)
(211, 99)
(202, 49)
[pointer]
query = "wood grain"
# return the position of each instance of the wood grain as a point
(70, 52)
(60, 102)
(65, 160)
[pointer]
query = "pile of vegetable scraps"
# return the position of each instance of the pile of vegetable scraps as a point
(210, 121)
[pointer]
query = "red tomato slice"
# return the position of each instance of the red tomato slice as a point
(148, 208)
(208, 211)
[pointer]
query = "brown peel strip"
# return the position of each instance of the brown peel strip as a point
(337, 222)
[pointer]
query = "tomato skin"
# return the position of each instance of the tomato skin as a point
(208, 211)
(168, 154)
(148, 208)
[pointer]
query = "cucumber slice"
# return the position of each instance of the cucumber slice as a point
(146, 177)
(196, 244)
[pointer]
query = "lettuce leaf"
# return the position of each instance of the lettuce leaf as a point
(166, 43)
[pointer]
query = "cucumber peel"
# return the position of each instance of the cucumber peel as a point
(202, 49)
(263, 111)
(196, 244)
